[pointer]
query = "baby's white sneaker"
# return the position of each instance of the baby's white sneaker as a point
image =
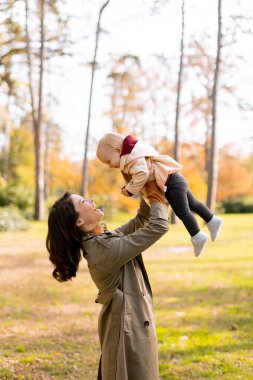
(214, 226)
(199, 241)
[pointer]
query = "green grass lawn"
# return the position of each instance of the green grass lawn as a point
(203, 308)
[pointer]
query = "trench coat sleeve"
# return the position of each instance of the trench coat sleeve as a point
(122, 249)
(139, 172)
(141, 218)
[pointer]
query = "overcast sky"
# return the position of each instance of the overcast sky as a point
(131, 28)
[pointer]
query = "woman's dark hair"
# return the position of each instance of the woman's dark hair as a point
(64, 239)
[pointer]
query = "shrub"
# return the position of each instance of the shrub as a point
(19, 197)
(237, 207)
(11, 219)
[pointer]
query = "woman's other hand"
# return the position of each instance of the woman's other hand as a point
(125, 192)
(154, 194)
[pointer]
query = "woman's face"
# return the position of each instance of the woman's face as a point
(89, 216)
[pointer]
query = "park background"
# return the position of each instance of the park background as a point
(175, 73)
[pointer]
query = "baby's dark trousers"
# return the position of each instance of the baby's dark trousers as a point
(183, 203)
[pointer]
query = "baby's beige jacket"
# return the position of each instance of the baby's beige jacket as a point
(144, 164)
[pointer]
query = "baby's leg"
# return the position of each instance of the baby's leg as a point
(177, 195)
(213, 222)
(198, 207)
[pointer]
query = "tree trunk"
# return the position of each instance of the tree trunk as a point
(213, 160)
(29, 64)
(7, 124)
(39, 145)
(39, 212)
(84, 184)
(179, 86)
(47, 161)
(7, 131)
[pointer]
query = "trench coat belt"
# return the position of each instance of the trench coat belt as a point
(117, 306)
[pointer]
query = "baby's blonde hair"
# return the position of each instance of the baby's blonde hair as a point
(107, 143)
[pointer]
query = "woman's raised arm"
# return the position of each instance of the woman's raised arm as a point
(122, 249)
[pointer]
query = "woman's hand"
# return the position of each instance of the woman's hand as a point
(125, 192)
(154, 194)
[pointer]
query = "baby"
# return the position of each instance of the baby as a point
(139, 163)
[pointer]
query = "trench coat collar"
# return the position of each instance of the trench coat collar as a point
(106, 234)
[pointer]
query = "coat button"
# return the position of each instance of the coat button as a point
(146, 323)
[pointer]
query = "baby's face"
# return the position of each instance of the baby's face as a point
(112, 158)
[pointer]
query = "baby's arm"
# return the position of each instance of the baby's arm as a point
(139, 172)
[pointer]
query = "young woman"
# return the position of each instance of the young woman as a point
(126, 323)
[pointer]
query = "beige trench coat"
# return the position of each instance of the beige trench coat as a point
(126, 323)
(144, 164)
